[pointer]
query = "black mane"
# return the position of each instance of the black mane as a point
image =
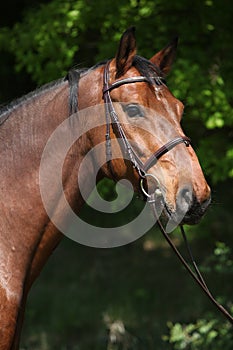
(144, 66)
(73, 77)
(147, 69)
(6, 109)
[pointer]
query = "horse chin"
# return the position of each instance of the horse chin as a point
(172, 220)
(191, 220)
(190, 217)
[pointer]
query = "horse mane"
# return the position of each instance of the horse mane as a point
(144, 66)
(5, 110)
(73, 77)
(149, 70)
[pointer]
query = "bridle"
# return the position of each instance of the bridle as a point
(112, 119)
(142, 168)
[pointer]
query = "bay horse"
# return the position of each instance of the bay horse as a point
(28, 234)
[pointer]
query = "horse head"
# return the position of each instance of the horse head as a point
(144, 110)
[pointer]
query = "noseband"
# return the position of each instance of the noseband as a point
(142, 168)
(112, 119)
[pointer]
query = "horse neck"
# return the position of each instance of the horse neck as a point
(26, 229)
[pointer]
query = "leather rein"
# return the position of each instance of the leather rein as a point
(112, 120)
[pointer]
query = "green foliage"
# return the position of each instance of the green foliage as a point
(44, 42)
(209, 333)
(220, 261)
(204, 334)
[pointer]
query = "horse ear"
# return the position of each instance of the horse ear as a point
(164, 58)
(126, 52)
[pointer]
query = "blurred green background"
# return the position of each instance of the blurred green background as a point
(137, 296)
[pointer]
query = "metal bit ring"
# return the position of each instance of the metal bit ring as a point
(157, 191)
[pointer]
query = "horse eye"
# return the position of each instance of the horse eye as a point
(133, 110)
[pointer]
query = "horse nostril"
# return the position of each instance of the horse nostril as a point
(184, 199)
(189, 207)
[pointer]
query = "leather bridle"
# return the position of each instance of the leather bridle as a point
(142, 168)
(112, 119)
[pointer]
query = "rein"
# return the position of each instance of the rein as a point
(142, 168)
(197, 276)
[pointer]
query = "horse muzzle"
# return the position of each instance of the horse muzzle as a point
(196, 212)
(188, 209)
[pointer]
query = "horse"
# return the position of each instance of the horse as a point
(136, 85)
